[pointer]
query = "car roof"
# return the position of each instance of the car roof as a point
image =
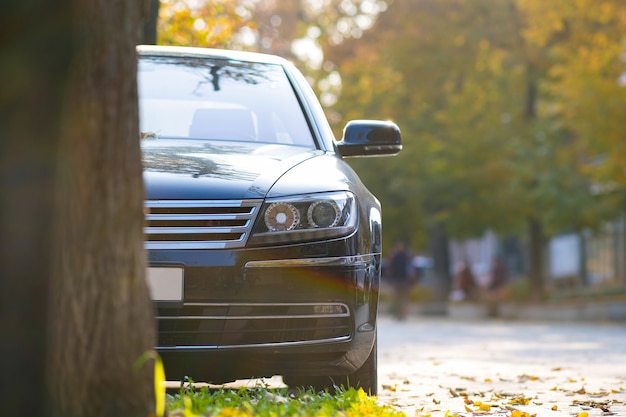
(162, 50)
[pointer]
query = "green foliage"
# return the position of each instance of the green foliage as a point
(203, 23)
(510, 110)
(505, 109)
(262, 402)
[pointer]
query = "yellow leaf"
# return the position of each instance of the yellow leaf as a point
(158, 377)
(583, 414)
(554, 408)
(469, 410)
(159, 386)
(485, 407)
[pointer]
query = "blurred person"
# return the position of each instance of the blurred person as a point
(400, 273)
(497, 275)
(465, 287)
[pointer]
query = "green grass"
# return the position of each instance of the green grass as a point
(263, 402)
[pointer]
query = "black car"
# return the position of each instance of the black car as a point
(264, 246)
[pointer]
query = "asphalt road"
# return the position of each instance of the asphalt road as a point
(433, 366)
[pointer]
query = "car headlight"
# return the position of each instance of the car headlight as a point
(305, 218)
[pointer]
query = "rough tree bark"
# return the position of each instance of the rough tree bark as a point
(74, 306)
(101, 316)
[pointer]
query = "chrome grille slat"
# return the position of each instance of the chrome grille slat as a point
(252, 345)
(199, 217)
(199, 224)
(300, 316)
(198, 230)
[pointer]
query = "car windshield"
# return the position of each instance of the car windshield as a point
(218, 99)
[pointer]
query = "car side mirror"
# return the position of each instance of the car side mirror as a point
(370, 138)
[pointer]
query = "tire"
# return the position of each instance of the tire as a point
(366, 377)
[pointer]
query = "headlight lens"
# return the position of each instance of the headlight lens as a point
(280, 217)
(324, 213)
(305, 218)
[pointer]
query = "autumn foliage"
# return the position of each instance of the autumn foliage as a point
(511, 110)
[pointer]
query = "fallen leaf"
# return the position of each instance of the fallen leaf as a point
(520, 401)
(391, 388)
(554, 408)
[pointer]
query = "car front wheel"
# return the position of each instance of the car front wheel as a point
(366, 377)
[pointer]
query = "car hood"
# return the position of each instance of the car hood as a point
(202, 169)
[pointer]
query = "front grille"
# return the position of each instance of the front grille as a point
(221, 325)
(199, 224)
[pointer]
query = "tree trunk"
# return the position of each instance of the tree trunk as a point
(438, 240)
(35, 58)
(536, 243)
(149, 36)
(101, 318)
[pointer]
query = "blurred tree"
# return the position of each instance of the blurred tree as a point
(442, 70)
(149, 36)
(574, 50)
(205, 23)
(586, 81)
(510, 109)
(296, 29)
(475, 94)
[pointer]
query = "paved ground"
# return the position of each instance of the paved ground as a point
(444, 367)
(431, 366)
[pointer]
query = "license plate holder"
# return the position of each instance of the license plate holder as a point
(166, 284)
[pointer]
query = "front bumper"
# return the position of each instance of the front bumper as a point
(263, 317)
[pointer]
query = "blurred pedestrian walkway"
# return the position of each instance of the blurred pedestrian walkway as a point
(587, 309)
